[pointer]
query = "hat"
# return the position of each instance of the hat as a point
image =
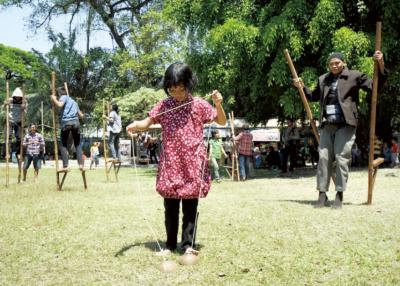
(336, 55)
(17, 93)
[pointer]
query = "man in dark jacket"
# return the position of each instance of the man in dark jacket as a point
(337, 92)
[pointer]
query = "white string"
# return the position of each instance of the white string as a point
(201, 179)
(138, 186)
(182, 105)
(201, 184)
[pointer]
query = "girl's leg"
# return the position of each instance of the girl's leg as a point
(76, 134)
(189, 209)
(64, 145)
(116, 146)
(171, 212)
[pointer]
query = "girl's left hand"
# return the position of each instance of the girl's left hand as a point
(216, 97)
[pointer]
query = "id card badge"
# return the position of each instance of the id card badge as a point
(332, 109)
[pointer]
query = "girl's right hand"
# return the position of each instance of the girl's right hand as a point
(131, 128)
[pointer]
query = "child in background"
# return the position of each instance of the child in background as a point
(183, 173)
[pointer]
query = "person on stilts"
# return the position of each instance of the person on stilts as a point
(34, 144)
(69, 117)
(338, 94)
(183, 174)
(114, 127)
(17, 106)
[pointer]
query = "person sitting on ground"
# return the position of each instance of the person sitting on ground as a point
(69, 117)
(273, 159)
(34, 144)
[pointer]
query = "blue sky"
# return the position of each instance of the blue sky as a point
(15, 32)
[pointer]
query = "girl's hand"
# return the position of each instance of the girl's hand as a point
(132, 128)
(216, 97)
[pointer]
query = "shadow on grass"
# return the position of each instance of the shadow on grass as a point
(277, 174)
(152, 245)
(313, 202)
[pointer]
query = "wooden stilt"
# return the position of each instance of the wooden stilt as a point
(66, 88)
(21, 147)
(54, 112)
(7, 133)
(104, 141)
(83, 172)
(233, 170)
(373, 165)
(115, 165)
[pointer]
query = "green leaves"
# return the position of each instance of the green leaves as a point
(354, 45)
(136, 105)
(328, 15)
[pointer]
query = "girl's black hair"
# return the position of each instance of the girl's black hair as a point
(214, 133)
(179, 73)
(115, 108)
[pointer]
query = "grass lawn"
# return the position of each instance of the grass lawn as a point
(261, 232)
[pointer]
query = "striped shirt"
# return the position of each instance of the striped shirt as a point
(245, 140)
(34, 143)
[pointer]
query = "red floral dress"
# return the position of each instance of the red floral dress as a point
(183, 155)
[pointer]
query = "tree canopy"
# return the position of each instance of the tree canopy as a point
(238, 46)
(234, 46)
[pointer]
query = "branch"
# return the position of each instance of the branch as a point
(76, 10)
(46, 19)
(126, 32)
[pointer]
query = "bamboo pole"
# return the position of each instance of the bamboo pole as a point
(41, 111)
(53, 90)
(302, 95)
(235, 161)
(104, 140)
(7, 133)
(66, 88)
(371, 168)
(21, 147)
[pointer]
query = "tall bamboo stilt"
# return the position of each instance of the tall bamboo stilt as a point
(235, 161)
(302, 95)
(7, 133)
(373, 165)
(104, 140)
(54, 112)
(21, 134)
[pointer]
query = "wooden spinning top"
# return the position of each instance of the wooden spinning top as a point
(190, 257)
(167, 266)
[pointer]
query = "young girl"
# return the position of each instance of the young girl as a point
(183, 174)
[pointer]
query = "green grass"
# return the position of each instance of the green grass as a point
(261, 232)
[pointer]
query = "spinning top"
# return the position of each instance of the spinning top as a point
(190, 257)
(167, 266)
